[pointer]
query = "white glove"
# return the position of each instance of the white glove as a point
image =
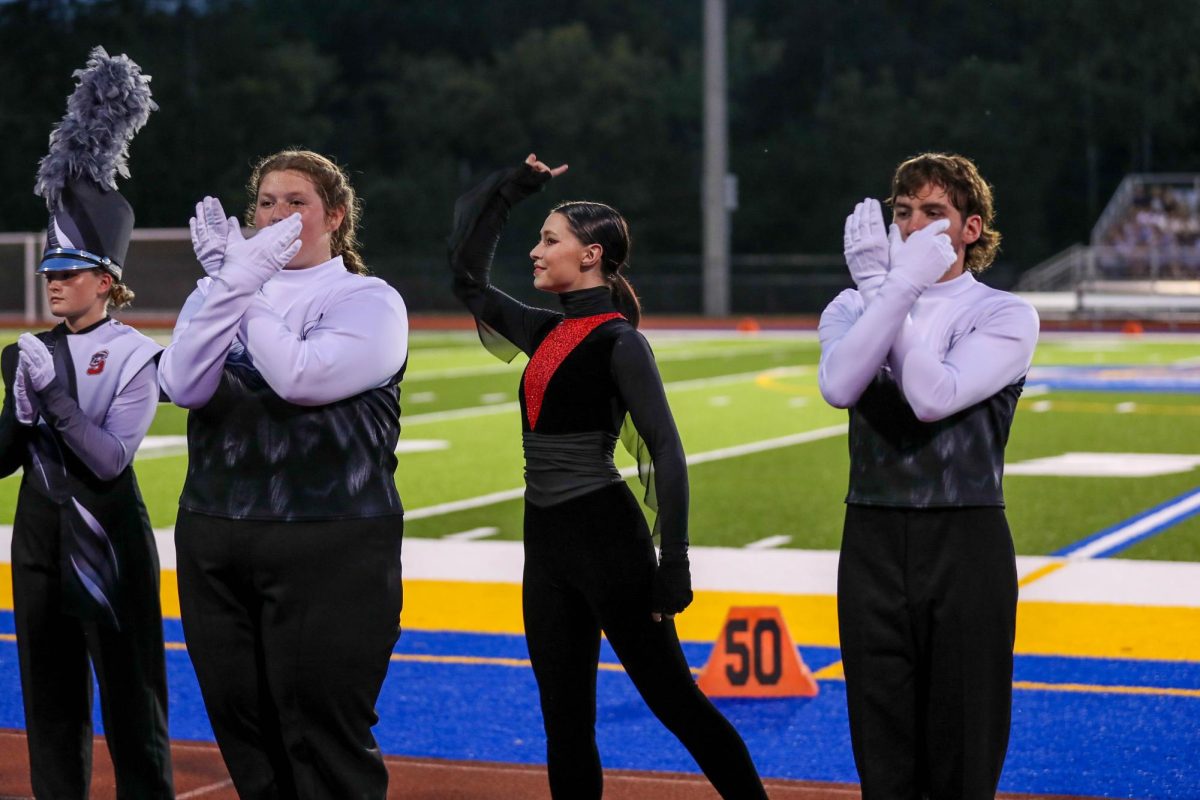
(249, 263)
(924, 257)
(21, 399)
(865, 244)
(36, 360)
(209, 231)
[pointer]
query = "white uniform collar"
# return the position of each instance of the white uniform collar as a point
(319, 272)
(953, 287)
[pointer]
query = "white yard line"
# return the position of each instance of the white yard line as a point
(767, 444)
(491, 369)
(628, 472)
(473, 534)
(459, 372)
(673, 386)
(455, 413)
(464, 505)
(769, 543)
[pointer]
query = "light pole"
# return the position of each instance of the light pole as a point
(718, 192)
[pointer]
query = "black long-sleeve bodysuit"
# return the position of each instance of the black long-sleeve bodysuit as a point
(589, 558)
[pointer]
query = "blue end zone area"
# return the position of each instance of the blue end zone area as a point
(1139, 378)
(1081, 726)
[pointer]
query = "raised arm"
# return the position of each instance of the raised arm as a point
(359, 344)
(190, 370)
(641, 388)
(855, 338)
(996, 353)
(865, 244)
(479, 218)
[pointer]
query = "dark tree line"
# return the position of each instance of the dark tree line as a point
(1056, 101)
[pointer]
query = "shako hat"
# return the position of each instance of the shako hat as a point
(90, 221)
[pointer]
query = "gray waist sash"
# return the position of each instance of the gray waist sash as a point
(565, 466)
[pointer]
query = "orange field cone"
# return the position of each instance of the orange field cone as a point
(754, 657)
(1132, 328)
(748, 325)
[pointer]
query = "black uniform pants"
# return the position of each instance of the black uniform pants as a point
(927, 617)
(589, 565)
(54, 650)
(290, 626)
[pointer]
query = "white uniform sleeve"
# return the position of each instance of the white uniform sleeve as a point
(108, 448)
(996, 353)
(190, 369)
(855, 339)
(358, 344)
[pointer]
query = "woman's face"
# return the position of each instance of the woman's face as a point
(562, 263)
(286, 192)
(79, 293)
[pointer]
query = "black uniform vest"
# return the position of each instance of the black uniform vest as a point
(253, 455)
(897, 460)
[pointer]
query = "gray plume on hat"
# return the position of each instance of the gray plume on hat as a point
(109, 105)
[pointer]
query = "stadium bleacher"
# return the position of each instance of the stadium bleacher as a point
(1143, 260)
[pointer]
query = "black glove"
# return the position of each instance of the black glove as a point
(672, 590)
(521, 182)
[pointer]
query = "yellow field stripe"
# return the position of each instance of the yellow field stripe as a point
(771, 382)
(1041, 572)
(1043, 627)
(496, 608)
(1157, 691)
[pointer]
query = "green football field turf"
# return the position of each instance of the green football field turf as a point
(730, 391)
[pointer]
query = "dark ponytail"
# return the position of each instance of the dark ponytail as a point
(596, 223)
(625, 299)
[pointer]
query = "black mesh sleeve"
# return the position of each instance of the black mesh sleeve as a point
(506, 326)
(642, 390)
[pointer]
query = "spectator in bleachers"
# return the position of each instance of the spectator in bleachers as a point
(1157, 238)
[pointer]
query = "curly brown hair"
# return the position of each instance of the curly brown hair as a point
(120, 295)
(968, 191)
(332, 185)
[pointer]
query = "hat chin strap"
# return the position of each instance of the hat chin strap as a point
(63, 259)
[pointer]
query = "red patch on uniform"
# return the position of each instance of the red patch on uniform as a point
(550, 353)
(96, 365)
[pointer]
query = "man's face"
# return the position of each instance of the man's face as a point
(931, 203)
